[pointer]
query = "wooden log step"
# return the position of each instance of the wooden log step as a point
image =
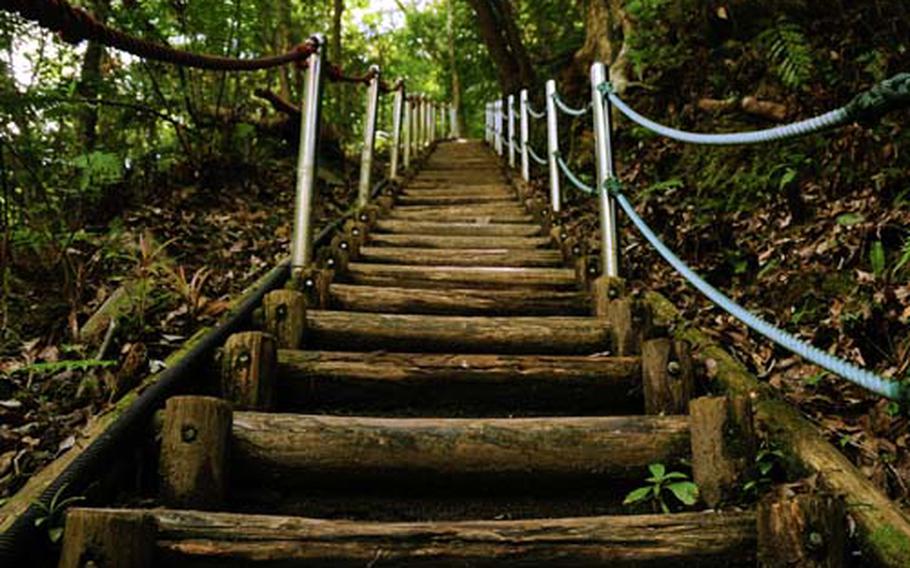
(323, 450)
(196, 538)
(460, 384)
(433, 214)
(434, 190)
(456, 334)
(462, 257)
(446, 227)
(460, 301)
(454, 199)
(405, 275)
(457, 242)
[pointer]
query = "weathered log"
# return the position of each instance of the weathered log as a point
(420, 380)
(432, 333)
(314, 448)
(451, 228)
(458, 242)
(770, 110)
(247, 370)
(454, 199)
(285, 317)
(461, 276)
(806, 530)
(705, 540)
(445, 212)
(194, 451)
(464, 217)
(723, 444)
(461, 301)
(102, 537)
(461, 257)
(882, 526)
(434, 191)
(668, 376)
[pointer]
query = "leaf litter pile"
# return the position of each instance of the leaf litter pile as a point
(147, 281)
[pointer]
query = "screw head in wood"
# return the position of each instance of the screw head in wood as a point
(309, 282)
(281, 312)
(612, 293)
(343, 246)
(815, 541)
(364, 217)
(330, 262)
(674, 368)
(188, 433)
(243, 359)
(355, 231)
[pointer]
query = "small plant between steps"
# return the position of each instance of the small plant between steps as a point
(53, 517)
(659, 484)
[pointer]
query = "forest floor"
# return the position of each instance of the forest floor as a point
(189, 248)
(815, 275)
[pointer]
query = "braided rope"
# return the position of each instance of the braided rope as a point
(534, 114)
(535, 156)
(845, 369)
(336, 74)
(572, 177)
(561, 105)
(76, 25)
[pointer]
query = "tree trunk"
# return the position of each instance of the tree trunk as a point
(453, 65)
(335, 47)
(504, 44)
(89, 80)
(607, 25)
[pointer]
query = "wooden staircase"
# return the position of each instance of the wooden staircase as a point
(447, 397)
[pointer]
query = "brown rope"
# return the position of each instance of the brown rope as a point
(337, 75)
(75, 25)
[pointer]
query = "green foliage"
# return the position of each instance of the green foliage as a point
(660, 484)
(877, 259)
(655, 48)
(65, 365)
(98, 168)
(768, 463)
(787, 49)
(52, 517)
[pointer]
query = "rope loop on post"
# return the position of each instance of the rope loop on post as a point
(535, 156)
(571, 175)
(564, 107)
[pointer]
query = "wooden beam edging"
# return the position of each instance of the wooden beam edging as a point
(884, 530)
(199, 345)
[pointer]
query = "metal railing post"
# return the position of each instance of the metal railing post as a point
(499, 132)
(603, 146)
(453, 121)
(489, 117)
(524, 134)
(302, 240)
(406, 129)
(415, 127)
(511, 111)
(421, 122)
(369, 138)
(397, 119)
(553, 146)
(432, 121)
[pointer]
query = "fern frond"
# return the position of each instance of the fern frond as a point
(789, 53)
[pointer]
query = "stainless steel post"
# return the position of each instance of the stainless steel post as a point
(603, 146)
(511, 111)
(302, 240)
(415, 126)
(406, 127)
(524, 135)
(489, 117)
(553, 146)
(499, 132)
(397, 119)
(453, 121)
(369, 138)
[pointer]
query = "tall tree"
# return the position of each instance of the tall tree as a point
(453, 65)
(607, 24)
(90, 80)
(496, 21)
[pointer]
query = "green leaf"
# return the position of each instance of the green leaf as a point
(55, 534)
(877, 258)
(685, 491)
(637, 495)
(657, 470)
(676, 475)
(850, 219)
